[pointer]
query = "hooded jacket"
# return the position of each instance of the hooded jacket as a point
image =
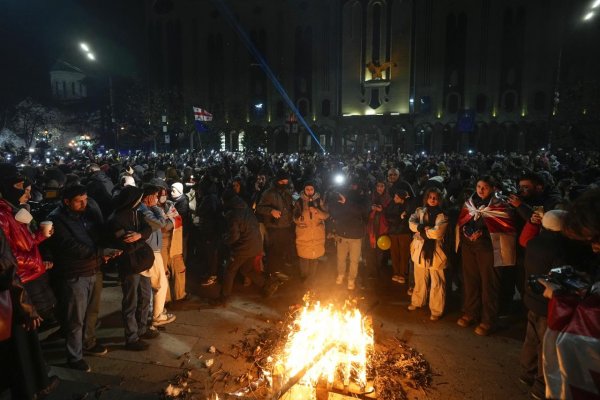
(100, 188)
(127, 218)
(243, 235)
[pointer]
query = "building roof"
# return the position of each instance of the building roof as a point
(61, 65)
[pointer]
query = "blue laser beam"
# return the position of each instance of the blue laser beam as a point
(220, 4)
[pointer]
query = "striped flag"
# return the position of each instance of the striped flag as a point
(202, 115)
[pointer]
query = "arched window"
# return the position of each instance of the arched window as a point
(452, 103)
(280, 109)
(303, 107)
(326, 108)
(509, 102)
(481, 103)
(539, 101)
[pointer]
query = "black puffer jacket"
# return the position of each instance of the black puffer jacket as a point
(243, 235)
(76, 243)
(349, 219)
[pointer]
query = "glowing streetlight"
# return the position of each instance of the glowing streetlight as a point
(588, 16)
(596, 4)
(84, 47)
(91, 56)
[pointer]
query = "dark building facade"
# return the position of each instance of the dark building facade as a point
(382, 75)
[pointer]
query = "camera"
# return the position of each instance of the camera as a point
(503, 196)
(565, 277)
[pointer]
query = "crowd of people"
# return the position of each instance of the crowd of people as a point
(479, 225)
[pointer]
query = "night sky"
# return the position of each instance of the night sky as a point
(35, 33)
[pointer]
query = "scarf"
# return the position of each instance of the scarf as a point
(429, 219)
(494, 214)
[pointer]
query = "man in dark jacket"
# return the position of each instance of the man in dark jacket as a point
(78, 256)
(100, 188)
(276, 208)
(349, 214)
(546, 251)
(129, 232)
(243, 239)
(205, 238)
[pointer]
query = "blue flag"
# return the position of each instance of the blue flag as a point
(200, 127)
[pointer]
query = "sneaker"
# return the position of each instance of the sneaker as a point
(483, 329)
(138, 345)
(79, 365)
(211, 280)
(351, 285)
(96, 350)
(409, 291)
(434, 317)
(395, 278)
(412, 308)
(465, 321)
(151, 333)
(163, 319)
(339, 280)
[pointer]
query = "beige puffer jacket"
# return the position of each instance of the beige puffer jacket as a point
(310, 229)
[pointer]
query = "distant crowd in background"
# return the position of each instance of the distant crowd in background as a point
(489, 228)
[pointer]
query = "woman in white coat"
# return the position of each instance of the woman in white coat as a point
(429, 224)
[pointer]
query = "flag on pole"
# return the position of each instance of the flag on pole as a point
(200, 127)
(202, 115)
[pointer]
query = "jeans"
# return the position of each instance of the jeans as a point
(531, 353)
(91, 315)
(135, 305)
(78, 295)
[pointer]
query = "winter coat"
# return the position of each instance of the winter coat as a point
(279, 199)
(16, 308)
(23, 244)
(127, 218)
(544, 252)
(243, 235)
(208, 215)
(100, 188)
(349, 219)
(310, 228)
(436, 232)
(75, 245)
(393, 215)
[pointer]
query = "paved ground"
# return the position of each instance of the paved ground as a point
(467, 366)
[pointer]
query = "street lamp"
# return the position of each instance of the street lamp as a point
(88, 52)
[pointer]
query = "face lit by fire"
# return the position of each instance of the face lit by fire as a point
(380, 188)
(433, 199)
(484, 190)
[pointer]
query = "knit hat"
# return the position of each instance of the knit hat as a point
(554, 220)
(176, 190)
(281, 175)
(308, 183)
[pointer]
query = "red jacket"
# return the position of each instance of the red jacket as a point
(23, 243)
